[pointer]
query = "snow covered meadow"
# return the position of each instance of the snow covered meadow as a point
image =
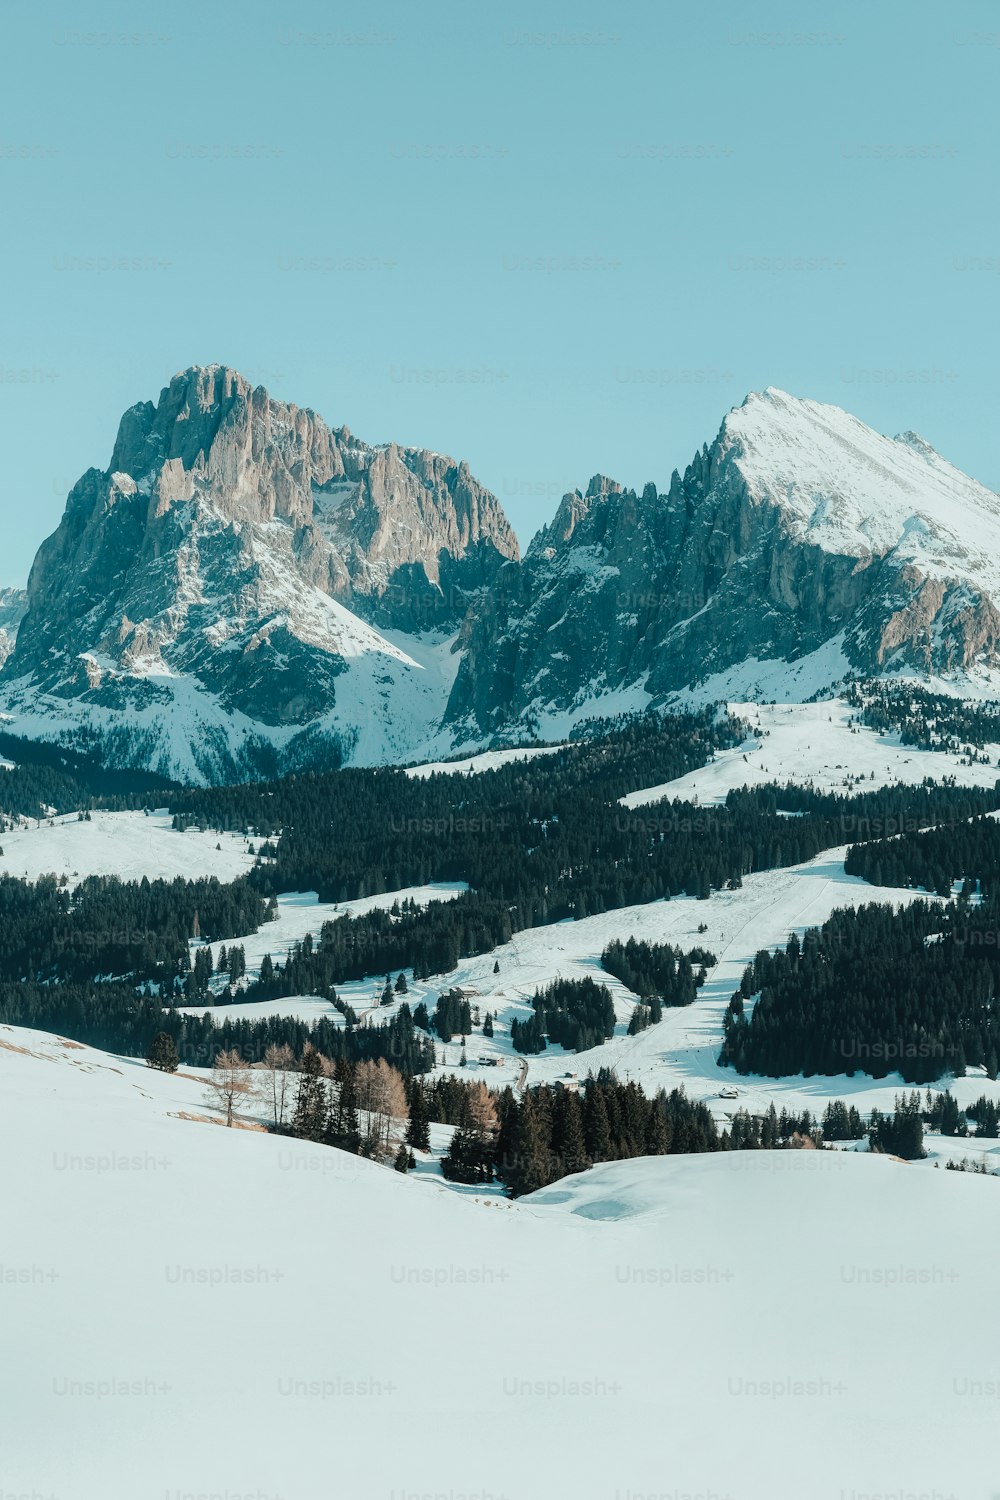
(212, 1312)
(127, 844)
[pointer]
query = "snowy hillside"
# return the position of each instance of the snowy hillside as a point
(186, 1309)
(682, 1050)
(390, 691)
(815, 743)
(127, 844)
(854, 492)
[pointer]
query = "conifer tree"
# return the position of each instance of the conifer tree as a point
(418, 1134)
(529, 1169)
(597, 1127)
(162, 1053)
(567, 1132)
(309, 1121)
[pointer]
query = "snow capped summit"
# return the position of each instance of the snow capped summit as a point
(858, 494)
(799, 546)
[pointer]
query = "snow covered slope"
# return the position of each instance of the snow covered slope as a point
(681, 1051)
(301, 914)
(127, 844)
(798, 547)
(189, 1310)
(853, 492)
(816, 743)
(488, 760)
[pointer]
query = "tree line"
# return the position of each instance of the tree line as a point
(927, 720)
(875, 990)
(934, 859)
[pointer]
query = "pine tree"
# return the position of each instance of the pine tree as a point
(567, 1132)
(309, 1122)
(529, 1169)
(162, 1053)
(658, 1130)
(237, 962)
(344, 1125)
(418, 1132)
(596, 1124)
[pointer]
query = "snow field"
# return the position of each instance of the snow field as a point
(693, 1325)
(127, 844)
(814, 743)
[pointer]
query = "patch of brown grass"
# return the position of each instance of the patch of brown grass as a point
(186, 1114)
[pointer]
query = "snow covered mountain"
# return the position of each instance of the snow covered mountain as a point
(245, 587)
(242, 578)
(800, 546)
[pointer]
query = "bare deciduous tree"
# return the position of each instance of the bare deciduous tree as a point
(381, 1092)
(231, 1082)
(482, 1109)
(274, 1082)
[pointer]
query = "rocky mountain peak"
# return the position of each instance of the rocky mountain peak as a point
(574, 509)
(238, 543)
(800, 546)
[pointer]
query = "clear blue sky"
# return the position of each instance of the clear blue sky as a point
(552, 240)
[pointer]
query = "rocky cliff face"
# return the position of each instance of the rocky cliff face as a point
(246, 588)
(800, 537)
(239, 544)
(13, 603)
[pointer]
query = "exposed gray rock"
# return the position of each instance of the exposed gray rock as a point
(13, 603)
(798, 529)
(220, 542)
